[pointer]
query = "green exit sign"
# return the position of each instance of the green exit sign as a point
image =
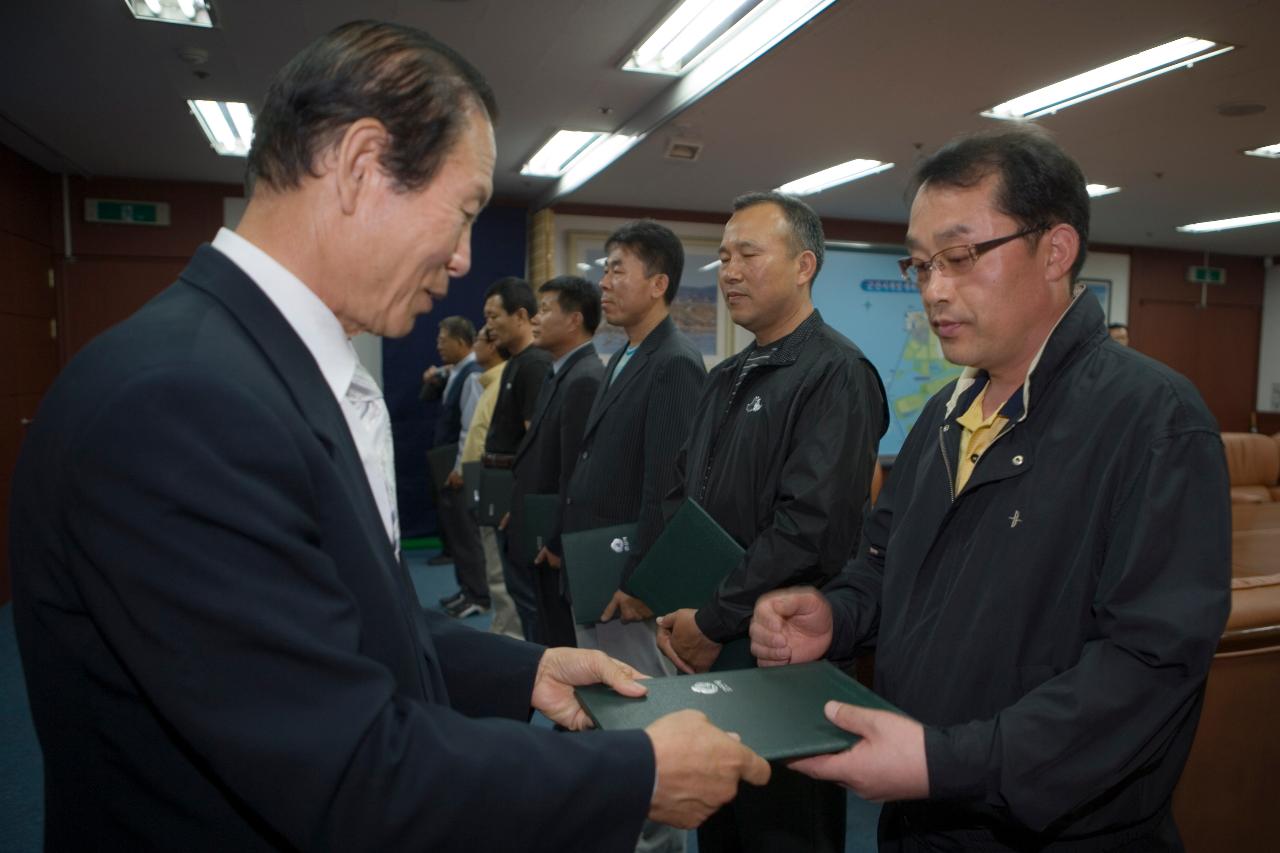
(119, 212)
(1206, 275)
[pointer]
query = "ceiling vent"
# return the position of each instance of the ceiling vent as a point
(683, 150)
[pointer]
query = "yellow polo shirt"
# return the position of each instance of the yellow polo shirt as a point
(977, 437)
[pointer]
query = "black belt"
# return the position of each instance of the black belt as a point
(498, 460)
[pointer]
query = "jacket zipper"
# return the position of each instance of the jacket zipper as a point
(946, 462)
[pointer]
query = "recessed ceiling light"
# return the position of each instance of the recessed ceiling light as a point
(574, 150)
(1225, 224)
(191, 13)
(226, 124)
(1272, 151)
(1179, 53)
(697, 29)
(834, 176)
(1096, 190)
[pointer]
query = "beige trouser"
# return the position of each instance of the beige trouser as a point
(505, 619)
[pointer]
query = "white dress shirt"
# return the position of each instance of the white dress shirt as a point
(328, 344)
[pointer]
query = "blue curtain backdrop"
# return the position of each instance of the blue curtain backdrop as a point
(497, 249)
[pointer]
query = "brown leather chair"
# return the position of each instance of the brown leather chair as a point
(1253, 461)
(1227, 797)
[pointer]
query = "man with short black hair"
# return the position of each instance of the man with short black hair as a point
(568, 314)
(222, 648)
(509, 309)
(1045, 575)
(636, 426)
(781, 454)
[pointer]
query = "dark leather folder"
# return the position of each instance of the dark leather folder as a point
(440, 461)
(686, 562)
(495, 495)
(536, 524)
(777, 711)
(593, 563)
(471, 484)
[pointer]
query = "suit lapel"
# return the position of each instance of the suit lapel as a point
(548, 392)
(610, 393)
(215, 274)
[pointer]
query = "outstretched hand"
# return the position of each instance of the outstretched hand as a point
(887, 764)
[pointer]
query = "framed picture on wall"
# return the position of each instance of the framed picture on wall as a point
(1101, 288)
(697, 311)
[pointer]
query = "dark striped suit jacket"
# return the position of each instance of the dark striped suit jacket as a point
(636, 428)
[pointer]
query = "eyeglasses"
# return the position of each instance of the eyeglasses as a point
(956, 260)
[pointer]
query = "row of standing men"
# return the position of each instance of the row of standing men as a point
(626, 441)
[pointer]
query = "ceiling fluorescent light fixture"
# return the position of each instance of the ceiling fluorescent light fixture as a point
(574, 150)
(1272, 151)
(1097, 190)
(1225, 224)
(836, 175)
(697, 29)
(226, 124)
(191, 13)
(1179, 53)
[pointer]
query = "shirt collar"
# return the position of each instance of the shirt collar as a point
(972, 379)
(559, 362)
(310, 318)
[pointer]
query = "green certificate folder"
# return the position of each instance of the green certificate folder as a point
(593, 563)
(440, 460)
(495, 495)
(536, 524)
(471, 484)
(686, 563)
(777, 710)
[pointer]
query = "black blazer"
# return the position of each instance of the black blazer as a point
(221, 649)
(549, 450)
(633, 434)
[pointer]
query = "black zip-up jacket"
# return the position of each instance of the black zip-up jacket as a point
(784, 465)
(1052, 625)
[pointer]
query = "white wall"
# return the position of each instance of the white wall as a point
(1114, 267)
(1269, 352)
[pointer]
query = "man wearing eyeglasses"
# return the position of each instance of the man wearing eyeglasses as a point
(1044, 577)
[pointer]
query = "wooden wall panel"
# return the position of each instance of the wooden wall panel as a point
(195, 211)
(1215, 344)
(101, 292)
(28, 353)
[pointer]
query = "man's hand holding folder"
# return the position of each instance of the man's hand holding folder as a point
(698, 766)
(791, 626)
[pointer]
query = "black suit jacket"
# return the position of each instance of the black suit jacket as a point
(634, 432)
(549, 450)
(221, 649)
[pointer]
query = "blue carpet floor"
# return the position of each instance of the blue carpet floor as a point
(22, 778)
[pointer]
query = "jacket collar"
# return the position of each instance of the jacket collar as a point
(1080, 326)
(786, 350)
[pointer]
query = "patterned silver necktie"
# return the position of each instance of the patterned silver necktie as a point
(366, 396)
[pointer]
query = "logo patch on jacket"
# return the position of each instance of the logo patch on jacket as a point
(754, 405)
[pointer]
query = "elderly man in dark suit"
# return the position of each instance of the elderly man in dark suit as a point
(568, 314)
(223, 650)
